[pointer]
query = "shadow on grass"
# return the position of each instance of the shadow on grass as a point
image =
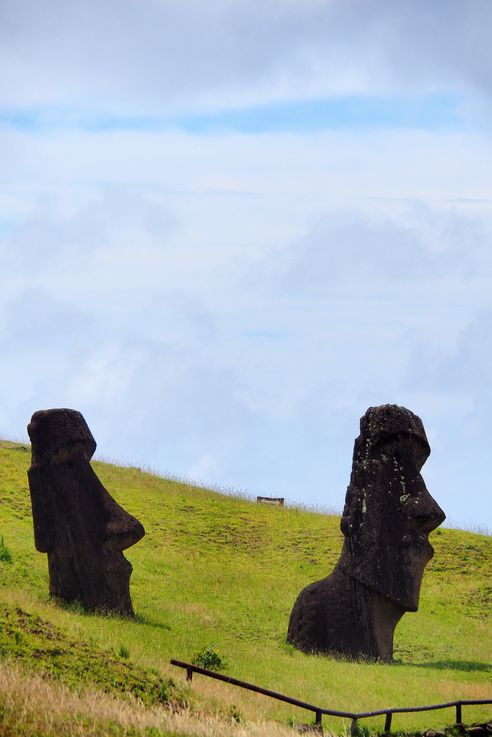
(462, 665)
(76, 607)
(142, 619)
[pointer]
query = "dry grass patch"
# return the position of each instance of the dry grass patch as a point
(36, 706)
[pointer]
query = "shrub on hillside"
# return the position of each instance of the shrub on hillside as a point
(208, 658)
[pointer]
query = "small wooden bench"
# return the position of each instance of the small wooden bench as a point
(271, 500)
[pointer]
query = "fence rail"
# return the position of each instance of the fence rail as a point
(319, 711)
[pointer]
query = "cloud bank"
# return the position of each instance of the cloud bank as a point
(153, 57)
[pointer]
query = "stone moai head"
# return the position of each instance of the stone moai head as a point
(388, 511)
(76, 521)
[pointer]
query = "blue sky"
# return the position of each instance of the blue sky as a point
(227, 229)
(362, 112)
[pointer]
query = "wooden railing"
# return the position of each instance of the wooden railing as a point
(320, 711)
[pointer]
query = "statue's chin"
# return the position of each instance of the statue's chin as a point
(403, 586)
(405, 596)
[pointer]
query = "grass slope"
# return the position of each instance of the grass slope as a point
(221, 571)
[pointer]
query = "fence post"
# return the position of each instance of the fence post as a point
(319, 711)
(458, 712)
(387, 721)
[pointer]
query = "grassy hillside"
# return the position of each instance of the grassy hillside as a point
(223, 572)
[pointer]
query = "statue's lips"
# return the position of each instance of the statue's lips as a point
(420, 540)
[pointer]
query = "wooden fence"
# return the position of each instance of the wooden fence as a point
(319, 711)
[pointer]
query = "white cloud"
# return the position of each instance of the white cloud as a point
(155, 56)
(413, 244)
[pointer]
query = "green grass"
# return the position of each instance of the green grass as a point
(43, 647)
(221, 573)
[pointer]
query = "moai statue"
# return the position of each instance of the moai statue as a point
(76, 521)
(386, 521)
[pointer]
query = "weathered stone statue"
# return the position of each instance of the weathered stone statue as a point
(76, 521)
(386, 521)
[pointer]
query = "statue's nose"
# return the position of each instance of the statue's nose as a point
(122, 530)
(427, 514)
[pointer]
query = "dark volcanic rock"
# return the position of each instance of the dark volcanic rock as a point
(386, 520)
(76, 521)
